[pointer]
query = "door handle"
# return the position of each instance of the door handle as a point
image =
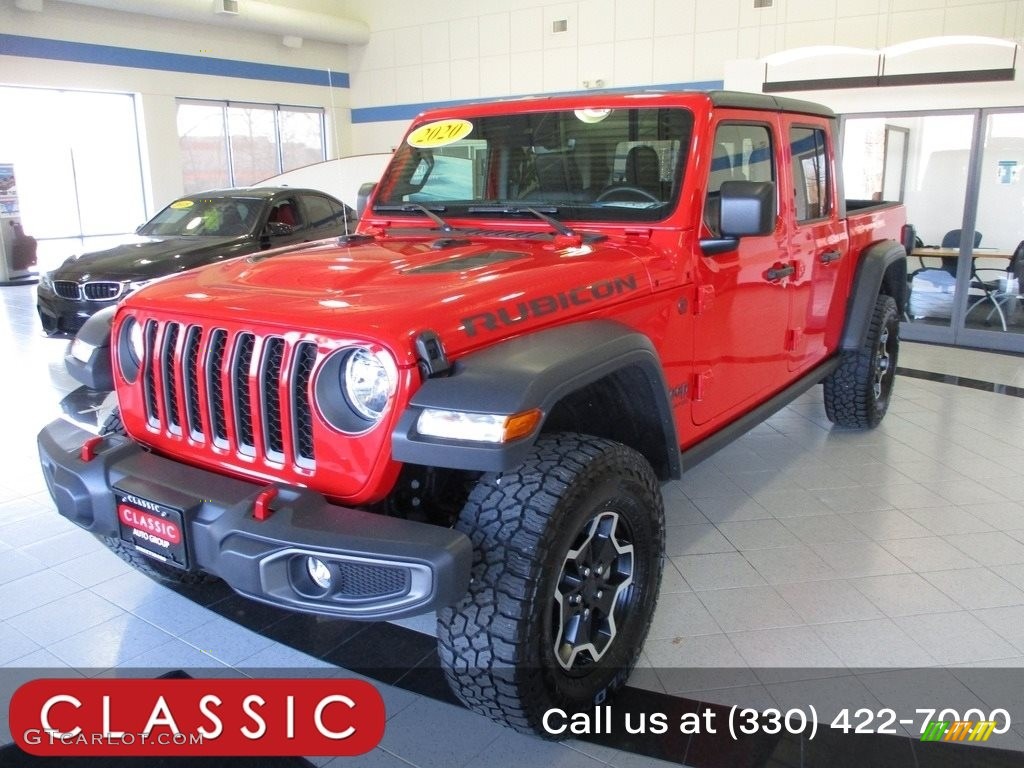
(829, 256)
(777, 273)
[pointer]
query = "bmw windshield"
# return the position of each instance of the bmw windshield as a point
(209, 216)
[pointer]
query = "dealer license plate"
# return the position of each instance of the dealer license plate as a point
(154, 529)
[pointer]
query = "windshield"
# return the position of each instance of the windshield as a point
(592, 164)
(208, 216)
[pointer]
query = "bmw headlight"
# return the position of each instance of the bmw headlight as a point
(46, 280)
(354, 387)
(134, 285)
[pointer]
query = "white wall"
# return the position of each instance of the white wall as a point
(465, 49)
(157, 90)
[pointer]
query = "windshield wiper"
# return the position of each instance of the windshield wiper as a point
(540, 213)
(418, 208)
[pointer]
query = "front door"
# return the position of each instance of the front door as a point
(742, 314)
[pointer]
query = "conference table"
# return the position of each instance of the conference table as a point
(992, 261)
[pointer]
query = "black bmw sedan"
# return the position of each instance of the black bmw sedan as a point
(190, 232)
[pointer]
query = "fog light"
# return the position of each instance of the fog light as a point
(318, 572)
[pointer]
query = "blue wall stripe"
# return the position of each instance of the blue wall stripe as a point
(90, 53)
(409, 111)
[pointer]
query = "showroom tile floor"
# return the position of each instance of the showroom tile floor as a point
(798, 555)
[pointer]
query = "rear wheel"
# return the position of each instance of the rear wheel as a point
(857, 393)
(568, 552)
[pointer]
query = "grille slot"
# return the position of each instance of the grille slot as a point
(66, 289)
(245, 343)
(102, 291)
(305, 358)
(215, 387)
(167, 371)
(191, 378)
(270, 391)
(148, 379)
(233, 390)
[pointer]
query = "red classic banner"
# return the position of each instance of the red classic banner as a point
(167, 717)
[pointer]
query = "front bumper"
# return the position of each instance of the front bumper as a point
(384, 567)
(65, 316)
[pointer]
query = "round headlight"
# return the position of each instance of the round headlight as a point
(136, 343)
(367, 384)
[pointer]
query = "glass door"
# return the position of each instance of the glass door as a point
(992, 269)
(924, 162)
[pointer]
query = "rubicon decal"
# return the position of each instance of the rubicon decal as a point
(511, 315)
(197, 717)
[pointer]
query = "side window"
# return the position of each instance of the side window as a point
(742, 152)
(286, 212)
(810, 173)
(319, 210)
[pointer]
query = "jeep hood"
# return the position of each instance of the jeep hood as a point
(472, 294)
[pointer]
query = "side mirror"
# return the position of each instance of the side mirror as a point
(748, 208)
(363, 196)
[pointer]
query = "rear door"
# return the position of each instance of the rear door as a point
(742, 313)
(818, 244)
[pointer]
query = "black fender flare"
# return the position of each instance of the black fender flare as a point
(96, 372)
(869, 281)
(533, 371)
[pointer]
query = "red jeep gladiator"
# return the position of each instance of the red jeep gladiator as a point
(550, 306)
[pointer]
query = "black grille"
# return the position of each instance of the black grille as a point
(215, 387)
(305, 357)
(270, 378)
(148, 380)
(167, 370)
(240, 384)
(101, 291)
(236, 390)
(371, 580)
(190, 358)
(66, 289)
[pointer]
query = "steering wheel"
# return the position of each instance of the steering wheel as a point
(637, 191)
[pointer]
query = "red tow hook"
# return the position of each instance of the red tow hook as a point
(90, 448)
(261, 507)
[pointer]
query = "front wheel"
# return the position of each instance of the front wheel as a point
(568, 551)
(857, 393)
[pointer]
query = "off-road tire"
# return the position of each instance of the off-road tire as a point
(113, 426)
(577, 501)
(857, 393)
(153, 568)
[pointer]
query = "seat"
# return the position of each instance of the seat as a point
(643, 169)
(284, 213)
(994, 292)
(231, 221)
(952, 238)
(558, 178)
(948, 264)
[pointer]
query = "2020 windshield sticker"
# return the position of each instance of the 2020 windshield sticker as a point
(179, 204)
(439, 133)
